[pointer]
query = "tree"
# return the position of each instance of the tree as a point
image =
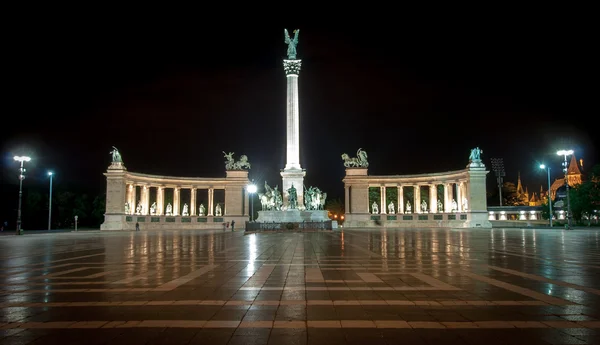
(585, 197)
(98, 209)
(510, 195)
(335, 206)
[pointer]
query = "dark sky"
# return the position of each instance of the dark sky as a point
(417, 99)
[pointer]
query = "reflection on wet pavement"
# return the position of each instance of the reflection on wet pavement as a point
(413, 286)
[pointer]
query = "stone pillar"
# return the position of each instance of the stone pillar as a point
(382, 198)
(145, 199)
(400, 199)
(237, 181)
(160, 200)
(448, 197)
(176, 201)
(131, 198)
(476, 197)
(356, 181)
(347, 199)
(193, 202)
(211, 193)
(292, 174)
(116, 190)
(417, 202)
(433, 198)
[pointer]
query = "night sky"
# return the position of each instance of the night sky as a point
(417, 100)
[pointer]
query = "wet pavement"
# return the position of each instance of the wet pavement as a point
(393, 286)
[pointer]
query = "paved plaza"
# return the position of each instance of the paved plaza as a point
(388, 286)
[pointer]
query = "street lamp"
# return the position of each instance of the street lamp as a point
(50, 173)
(251, 189)
(566, 153)
(542, 166)
(21, 159)
(498, 167)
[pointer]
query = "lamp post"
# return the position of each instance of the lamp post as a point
(251, 189)
(542, 166)
(21, 159)
(50, 173)
(498, 167)
(566, 153)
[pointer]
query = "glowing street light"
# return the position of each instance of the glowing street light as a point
(566, 153)
(542, 166)
(21, 159)
(50, 173)
(251, 188)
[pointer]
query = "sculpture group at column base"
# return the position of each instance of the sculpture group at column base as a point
(292, 216)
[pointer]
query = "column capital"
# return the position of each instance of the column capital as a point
(292, 67)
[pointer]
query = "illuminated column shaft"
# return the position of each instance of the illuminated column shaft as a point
(145, 200)
(293, 173)
(176, 208)
(193, 202)
(400, 199)
(160, 200)
(433, 198)
(417, 205)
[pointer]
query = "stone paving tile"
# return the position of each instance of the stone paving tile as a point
(389, 286)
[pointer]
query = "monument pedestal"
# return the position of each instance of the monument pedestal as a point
(292, 216)
(294, 177)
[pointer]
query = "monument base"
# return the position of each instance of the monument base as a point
(292, 216)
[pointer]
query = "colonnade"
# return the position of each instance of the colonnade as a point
(133, 200)
(453, 200)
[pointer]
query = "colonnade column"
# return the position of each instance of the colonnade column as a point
(193, 202)
(448, 197)
(176, 208)
(160, 200)
(417, 193)
(131, 198)
(211, 192)
(465, 194)
(433, 198)
(145, 200)
(383, 206)
(459, 197)
(400, 199)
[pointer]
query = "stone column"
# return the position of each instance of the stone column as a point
(382, 199)
(417, 202)
(476, 197)
(210, 211)
(347, 199)
(433, 198)
(193, 202)
(116, 190)
(400, 199)
(292, 174)
(160, 200)
(145, 200)
(448, 197)
(176, 201)
(131, 198)
(459, 196)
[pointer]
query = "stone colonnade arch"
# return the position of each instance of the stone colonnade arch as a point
(122, 200)
(463, 203)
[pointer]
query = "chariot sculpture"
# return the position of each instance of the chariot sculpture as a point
(360, 161)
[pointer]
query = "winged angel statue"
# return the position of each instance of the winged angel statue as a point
(360, 161)
(292, 43)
